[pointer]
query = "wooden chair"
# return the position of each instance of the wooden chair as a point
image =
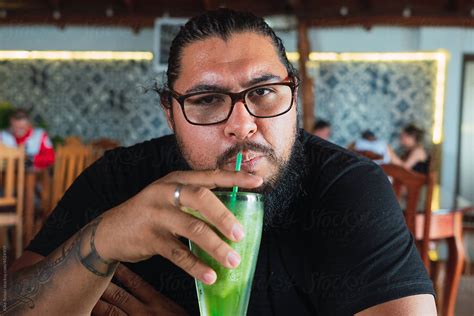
(73, 140)
(369, 154)
(427, 226)
(101, 145)
(366, 153)
(70, 161)
(13, 177)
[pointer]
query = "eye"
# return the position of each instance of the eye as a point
(208, 99)
(260, 92)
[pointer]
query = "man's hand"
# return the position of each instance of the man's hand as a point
(150, 223)
(140, 298)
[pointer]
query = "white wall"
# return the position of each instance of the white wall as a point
(75, 38)
(457, 41)
(466, 178)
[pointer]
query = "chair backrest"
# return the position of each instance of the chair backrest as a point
(73, 140)
(101, 145)
(12, 174)
(70, 161)
(12, 171)
(408, 186)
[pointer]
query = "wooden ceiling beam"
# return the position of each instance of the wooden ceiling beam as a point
(314, 13)
(130, 5)
(20, 5)
(463, 21)
(210, 4)
(148, 20)
(366, 5)
(54, 4)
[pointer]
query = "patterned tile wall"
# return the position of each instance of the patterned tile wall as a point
(90, 99)
(382, 97)
(95, 99)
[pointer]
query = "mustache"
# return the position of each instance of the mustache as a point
(232, 151)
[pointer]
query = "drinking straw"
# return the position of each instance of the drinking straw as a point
(235, 189)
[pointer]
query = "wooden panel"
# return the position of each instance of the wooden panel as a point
(142, 13)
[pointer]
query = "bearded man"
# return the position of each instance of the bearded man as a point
(334, 239)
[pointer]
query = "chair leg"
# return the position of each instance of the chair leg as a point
(454, 270)
(18, 240)
(3, 236)
(467, 266)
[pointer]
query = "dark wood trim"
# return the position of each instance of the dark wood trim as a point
(306, 86)
(131, 16)
(463, 21)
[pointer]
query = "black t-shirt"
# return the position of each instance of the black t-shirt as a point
(345, 247)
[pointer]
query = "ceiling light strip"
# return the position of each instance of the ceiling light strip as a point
(76, 55)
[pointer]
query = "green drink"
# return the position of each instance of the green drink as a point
(230, 294)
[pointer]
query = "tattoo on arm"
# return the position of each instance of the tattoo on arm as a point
(25, 285)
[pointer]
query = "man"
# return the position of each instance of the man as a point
(322, 129)
(38, 146)
(368, 142)
(335, 241)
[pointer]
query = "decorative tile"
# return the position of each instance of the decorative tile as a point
(383, 97)
(90, 99)
(95, 99)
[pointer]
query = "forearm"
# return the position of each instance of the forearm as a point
(67, 282)
(394, 157)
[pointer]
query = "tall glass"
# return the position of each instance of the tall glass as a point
(230, 294)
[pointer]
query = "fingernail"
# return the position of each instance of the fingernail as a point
(233, 258)
(209, 277)
(238, 232)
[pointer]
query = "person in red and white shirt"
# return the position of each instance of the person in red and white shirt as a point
(38, 147)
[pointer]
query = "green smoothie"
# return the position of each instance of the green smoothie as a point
(230, 294)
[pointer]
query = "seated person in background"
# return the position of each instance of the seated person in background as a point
(322, 129)
(38, 147)
(368, 142)
(414, 156)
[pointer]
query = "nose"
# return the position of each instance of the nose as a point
(241, 124)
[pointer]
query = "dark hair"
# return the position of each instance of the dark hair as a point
(414, 131)
(320, 124)
(221, 23)
(20, 114)
(368, 134)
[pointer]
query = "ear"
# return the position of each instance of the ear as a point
(169, 118)
(167, 104)
(295, 100)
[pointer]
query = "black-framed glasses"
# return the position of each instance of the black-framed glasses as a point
(214, 107)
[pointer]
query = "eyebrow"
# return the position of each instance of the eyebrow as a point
(218, 88)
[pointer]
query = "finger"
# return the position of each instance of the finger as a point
(214, 211)
(215, 178)
(144, 291)
(205, 237)
(175, 251)
(136, 285)
(120, 298)
(205, 202)
(102, 308)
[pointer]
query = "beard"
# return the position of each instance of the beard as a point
(281, 190)
(284, 189)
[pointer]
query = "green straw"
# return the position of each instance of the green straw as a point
(235, 189)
